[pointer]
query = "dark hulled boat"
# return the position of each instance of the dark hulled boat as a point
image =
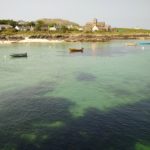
(73, 50)
(19, 55)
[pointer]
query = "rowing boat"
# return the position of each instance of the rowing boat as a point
(131, 44)
(144, 43)
(72, 50)
(19, 55)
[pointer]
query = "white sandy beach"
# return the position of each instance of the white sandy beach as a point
(6, 42)
(27, 40)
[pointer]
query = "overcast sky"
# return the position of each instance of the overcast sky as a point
(118, 13)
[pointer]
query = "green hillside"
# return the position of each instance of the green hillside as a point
(61, 22)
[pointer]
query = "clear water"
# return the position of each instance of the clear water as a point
(54, 100)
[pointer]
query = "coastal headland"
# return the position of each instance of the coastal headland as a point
(59, 30)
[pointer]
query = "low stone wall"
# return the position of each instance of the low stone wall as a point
(131, 36)
(11, 38)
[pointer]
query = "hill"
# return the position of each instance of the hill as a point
(61, 22)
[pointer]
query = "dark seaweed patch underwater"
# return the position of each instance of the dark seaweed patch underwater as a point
(32, 122)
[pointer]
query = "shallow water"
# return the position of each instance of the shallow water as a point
(96, 100)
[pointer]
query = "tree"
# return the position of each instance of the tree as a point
(63, 29)
(31, 24)
(9, 22)
(52, 25)
(39, 24)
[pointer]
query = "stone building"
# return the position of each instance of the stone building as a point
(24, 28)
(96, 26)
(5, 27)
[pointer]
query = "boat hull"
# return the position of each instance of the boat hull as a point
(19, 55)
(73, 50)
(144, 43)
(131, 44)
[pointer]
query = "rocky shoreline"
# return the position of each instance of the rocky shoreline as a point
(70, 38)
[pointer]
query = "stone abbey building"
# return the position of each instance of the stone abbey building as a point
(97, 26)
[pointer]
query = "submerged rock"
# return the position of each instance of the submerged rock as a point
(85, 77)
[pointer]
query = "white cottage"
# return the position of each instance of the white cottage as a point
(52, 29)
(17, 28)
(95, 28)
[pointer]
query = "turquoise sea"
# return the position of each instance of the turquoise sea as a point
(56, 100)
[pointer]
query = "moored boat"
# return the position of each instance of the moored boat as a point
(72, 50)
(19, 55)
(131, 44)
(144, 43)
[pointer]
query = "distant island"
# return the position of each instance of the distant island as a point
(47, 30)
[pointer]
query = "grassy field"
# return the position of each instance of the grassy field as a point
(115, 31)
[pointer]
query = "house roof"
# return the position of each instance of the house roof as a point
(5, 26)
